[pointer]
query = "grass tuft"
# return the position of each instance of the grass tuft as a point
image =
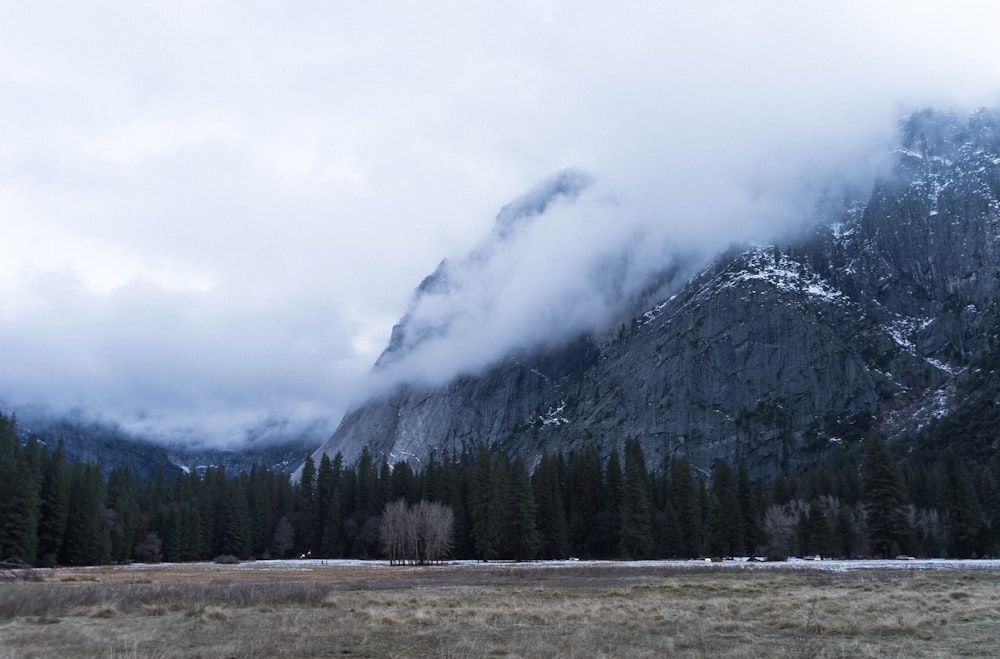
(463, 611)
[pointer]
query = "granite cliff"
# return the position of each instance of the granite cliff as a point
(874, 320)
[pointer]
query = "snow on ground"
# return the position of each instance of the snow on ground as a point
(734, 564)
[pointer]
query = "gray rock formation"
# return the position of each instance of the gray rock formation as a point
(770, 353)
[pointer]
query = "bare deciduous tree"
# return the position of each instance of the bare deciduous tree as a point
(393, 531)
(433, 531)
(284, 537)
(419, 534)
(779, 525)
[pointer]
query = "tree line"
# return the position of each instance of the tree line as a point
(860, 502)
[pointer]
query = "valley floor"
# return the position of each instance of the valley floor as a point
(463, 609)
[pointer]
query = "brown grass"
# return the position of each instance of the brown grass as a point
(210, 610)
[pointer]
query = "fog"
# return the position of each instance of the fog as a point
(211, 217)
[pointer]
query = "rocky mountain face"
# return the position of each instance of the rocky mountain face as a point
(877, 320)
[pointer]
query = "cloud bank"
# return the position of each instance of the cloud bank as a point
(212, 216)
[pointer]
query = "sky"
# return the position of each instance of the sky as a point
(212, 214)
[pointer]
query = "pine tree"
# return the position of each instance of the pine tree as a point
(235, 537)
(171, 532)
(307, 504)
(486, 501)
(215, 487)
(122, 501)
(457, 485)
(403, 483)
(715, 537)
(673, 543)
(54, 508)
(520, 536)
(326, 481)
(261, 511)
(584, 502)
(192, 533)
(726, 489)
(885, 498)
(20, 485)
(959, 508)
(550, 515)
(749, 511)
(636, 539)
(83, 542)
(384, 489)
(367, 502)
(608, 522)
(685, 497)
(331, 544)
(844, 532)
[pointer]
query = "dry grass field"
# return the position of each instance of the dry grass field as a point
(587, 610)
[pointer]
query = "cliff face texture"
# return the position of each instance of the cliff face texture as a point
(771, 353)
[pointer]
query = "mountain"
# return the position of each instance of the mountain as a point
(110, 446)
(881, 318)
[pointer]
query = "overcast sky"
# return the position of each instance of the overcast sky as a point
(211, 214)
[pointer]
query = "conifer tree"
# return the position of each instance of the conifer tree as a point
(171, 532)
(216, 491)
(636, 539)
(585, 500)
(384, 489)
(331, 544)
(673, 543)
(885, 498)
(486, 501)
(726, 489)
(715, 537)
(20, 485)
(307, 504)
(844, 533)
(261, 510)
(520, 535)
(122, 502)
(54, 508)
(235, 537)
(83, 542)
(367, 502)
(192, 533)
(750, 525)
(326, 481)
(608, 522)
(550, 515)
(684, 493)
(403, 482)
(959, 507)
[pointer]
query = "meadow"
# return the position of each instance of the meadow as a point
(356, 609)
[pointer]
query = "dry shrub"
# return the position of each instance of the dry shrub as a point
(103, 611)
(155, 609)
(44, 620)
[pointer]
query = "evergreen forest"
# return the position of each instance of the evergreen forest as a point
(861, 502)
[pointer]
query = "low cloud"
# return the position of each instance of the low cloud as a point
(213, 215)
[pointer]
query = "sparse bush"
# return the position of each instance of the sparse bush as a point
(150, 550)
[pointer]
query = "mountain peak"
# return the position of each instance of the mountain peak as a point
(775, 354)
(567, 184)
